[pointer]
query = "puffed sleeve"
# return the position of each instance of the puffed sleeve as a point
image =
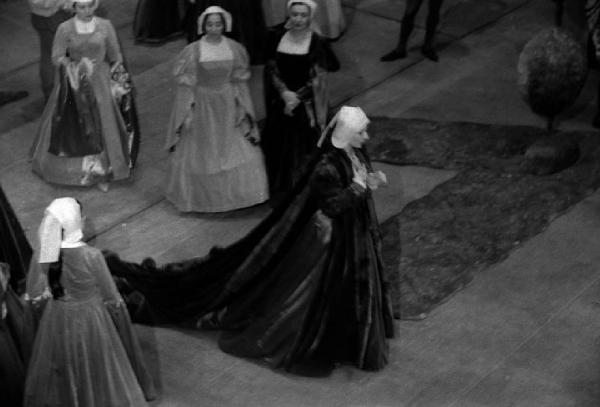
(184, 71)
(184, 68)
(108, 289)
(241, 62)
(60, 45)
(333, 196)
(113, 49)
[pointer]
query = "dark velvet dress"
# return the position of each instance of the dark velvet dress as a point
(12, 366)
(14, 247)
(287, 141)
(157, 21)
(305, 286)
(248, 26)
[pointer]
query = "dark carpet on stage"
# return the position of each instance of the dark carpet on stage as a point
(438, 243)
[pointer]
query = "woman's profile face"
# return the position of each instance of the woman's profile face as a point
(213, 25)
(359, 138)
(85, 11)
(299, 16)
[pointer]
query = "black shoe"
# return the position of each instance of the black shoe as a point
(430, 53)
(7, 96)
(394, 55)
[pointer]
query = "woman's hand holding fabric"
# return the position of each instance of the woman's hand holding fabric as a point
(86, 66)
(324, 226)
(360, 177)
(376, 179)
(291, 101)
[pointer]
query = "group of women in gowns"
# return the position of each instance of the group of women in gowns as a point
(216, 164)
(89, 133)
(157, 21)
(304, 290)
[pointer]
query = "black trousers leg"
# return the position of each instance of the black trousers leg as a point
(408, 21)
(433, 19)
(46, 28)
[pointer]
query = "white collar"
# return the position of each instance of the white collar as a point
(85, 27)
(290, 45)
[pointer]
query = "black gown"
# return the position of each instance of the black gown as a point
(248, 25)
(285, 293)
(14, 247)
(157, 21)
(12, 365)
(287, 141)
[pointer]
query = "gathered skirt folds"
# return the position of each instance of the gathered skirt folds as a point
(112, 163)
(214, 168)
(79, 360)
(12, 369)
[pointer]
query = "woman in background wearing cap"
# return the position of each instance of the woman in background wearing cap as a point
(305, 290)
(216, 164)
(330, 22)
(85, 347)
(85, 138)
(248, 26)
(296, 102)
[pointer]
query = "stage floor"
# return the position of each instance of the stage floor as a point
(524, 333)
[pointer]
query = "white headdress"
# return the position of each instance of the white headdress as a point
(215, 10)
(348, 121)
(86, 2)
(308, 3)
(60, 228)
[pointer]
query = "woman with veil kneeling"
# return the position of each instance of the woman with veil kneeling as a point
(305, 289)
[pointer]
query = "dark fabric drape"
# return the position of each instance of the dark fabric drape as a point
(121, 78)
(284, 293)
(76, 126)
(157, 21)
(12, 364)
(15, 250)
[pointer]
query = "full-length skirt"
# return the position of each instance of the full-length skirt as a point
(114, 159)
(14, 247)
(288, 142)
(283, 293)
(214, 168)
(12, 365)
(80, 360)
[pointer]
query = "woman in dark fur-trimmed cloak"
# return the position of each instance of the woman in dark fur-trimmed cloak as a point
(305, 288)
